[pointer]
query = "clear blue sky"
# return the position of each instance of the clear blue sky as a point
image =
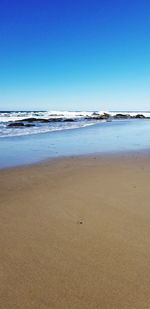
(75, 55)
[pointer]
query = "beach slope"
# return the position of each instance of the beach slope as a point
(75, 233)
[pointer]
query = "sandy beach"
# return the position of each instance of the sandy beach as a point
(75, 234)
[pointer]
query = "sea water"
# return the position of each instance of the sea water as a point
(77, 138)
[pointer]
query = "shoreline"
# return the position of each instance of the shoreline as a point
(75, 232)
(145, 153)
(100, 139)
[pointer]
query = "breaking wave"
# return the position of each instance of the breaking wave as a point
(18, 123)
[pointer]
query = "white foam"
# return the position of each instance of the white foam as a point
(80, 116)
(14, 116)
(9, 132)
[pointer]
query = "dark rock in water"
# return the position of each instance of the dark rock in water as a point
(88, 118)
(91, 118)
(128, 116)
(29, 125)
(139, 116)
(27, 120)
(55, 115)
(95, 114)
(69, 120)
(104, 116)
(19, 124)
(122, 116)
(15, 125)
(55, 119)
(99, 118)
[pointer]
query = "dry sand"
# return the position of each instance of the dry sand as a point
(75, 233)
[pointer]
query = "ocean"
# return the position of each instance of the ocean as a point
(31, 136)
(20, 123)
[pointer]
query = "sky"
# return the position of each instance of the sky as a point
(75, 55)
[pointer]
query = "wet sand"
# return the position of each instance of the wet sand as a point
(75, 233)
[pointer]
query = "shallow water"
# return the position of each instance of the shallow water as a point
(106, 137)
